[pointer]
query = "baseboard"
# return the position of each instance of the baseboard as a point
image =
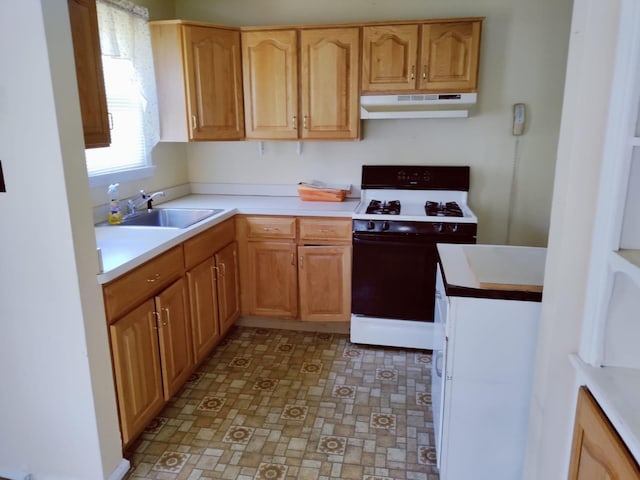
(121, 470)
(286, 324)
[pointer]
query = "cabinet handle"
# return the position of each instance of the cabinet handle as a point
(167, 314)
(270, 229)
(155, 278)
(438, 294)
(424, 72)
(304, 123)
(194, 122)
(215, 272)
(293, 259)
(110, 116)
(326, 230)
(224, 269)
(294, 120)
(413, 72)
(157, 322)
(301, 260)
(439, 364)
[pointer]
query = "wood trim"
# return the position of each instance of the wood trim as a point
(258, 28)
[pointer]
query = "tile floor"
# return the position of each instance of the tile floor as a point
(278, 404)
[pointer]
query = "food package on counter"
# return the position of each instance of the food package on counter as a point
(317, 191)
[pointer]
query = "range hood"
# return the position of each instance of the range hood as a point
(430, 105)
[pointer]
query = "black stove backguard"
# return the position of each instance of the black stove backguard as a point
(415, 177)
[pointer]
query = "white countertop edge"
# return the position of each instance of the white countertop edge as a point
(617, 391)
(153, 241)
(179, 236)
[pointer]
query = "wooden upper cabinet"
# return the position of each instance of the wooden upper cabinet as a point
(199, 80)
(329, 63)
(390, 54)
(214, 83)
(434, 56)
(449, 58)
(88, 60)
(270, 78)
(597, 452)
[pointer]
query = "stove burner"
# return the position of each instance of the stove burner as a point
(438, 209)
(384, 208)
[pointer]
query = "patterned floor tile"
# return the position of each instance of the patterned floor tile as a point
(426, 455)
(265, 384)
(240, 362)
(171, 462)
(238, 434)
(423, 398)
(344, 391)
(386, 373)
(383, 420)
(155, 425)
(312, 367)
(332, 445)
(294, 412)
(274, 404)
(211, 404)
(271, 471)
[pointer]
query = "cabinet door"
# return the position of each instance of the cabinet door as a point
(389, 58)
(325, 283)
(597, 452)
(449, 59)
(228, 286)
(329, 60)
(270, 78)
(214, 83)
(86, 50)
(176, 351)
(136, 367)
(204, 308)
(273, 287)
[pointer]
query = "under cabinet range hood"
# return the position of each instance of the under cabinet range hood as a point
(429, 105)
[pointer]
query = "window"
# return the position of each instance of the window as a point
(127, 63)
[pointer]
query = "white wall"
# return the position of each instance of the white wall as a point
(58, 417)
(589, 69)
(522, 59)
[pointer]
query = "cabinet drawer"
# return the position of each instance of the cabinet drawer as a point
(142, 282)
(207, 243)
(325, 229)
(271, 227)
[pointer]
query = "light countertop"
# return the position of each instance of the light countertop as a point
(123, 248)
(493, 271)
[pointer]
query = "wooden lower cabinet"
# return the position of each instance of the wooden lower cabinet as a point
(598, 453)
(228, 286)
(204, 308)
(324, 280)
(273, 283)
(214, 299)
(174, 333)
(136, 366)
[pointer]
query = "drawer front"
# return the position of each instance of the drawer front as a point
(141, 283)
(325, 229)
(206, 244)
(271, 227)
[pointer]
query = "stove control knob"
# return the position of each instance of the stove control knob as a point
(453, 227)
(437, 227)
(385, 225)
(370, 225)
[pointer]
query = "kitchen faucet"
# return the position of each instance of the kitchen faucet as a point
(144, 198)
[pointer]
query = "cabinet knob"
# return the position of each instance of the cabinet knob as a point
(413, 72)
(294, 121)
(424, 72)
(153, 279)
(304, 122)
(194, 122)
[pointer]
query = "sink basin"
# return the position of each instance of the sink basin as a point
(169, 217)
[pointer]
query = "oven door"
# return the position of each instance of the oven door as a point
(394, 275)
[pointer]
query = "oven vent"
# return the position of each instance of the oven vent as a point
(434, 105)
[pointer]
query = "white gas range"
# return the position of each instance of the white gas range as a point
(404, 211)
